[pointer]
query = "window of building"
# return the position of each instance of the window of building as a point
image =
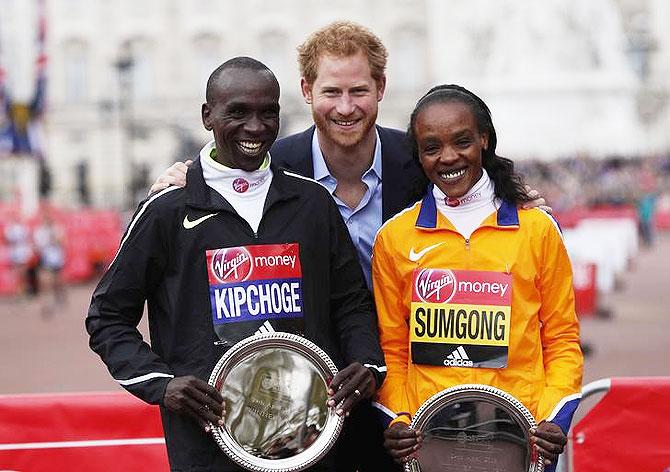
(75, 73)
(276, 53)
(409, 58)
(142, 69)
(207, 56)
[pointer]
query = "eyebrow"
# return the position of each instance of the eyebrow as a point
(360, 86)
(463, 132)
(457, 134)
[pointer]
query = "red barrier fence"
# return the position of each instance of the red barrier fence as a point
(570, 218)
(91, 238)
(85, 431)
(584, 281)
(662, 220)
(628, 429)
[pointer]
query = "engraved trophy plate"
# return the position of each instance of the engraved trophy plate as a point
(474, 428)
(275, 389)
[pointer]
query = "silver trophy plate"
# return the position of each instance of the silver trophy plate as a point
(275, 390)
(474, 428)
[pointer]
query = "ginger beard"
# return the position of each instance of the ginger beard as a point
(344, 131)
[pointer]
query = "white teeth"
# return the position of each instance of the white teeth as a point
(249, 146)
(344, 123)
(452, 175)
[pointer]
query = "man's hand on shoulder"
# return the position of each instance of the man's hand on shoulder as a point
(173, 175)
(537, 200)
(351, 385)
(193, 397)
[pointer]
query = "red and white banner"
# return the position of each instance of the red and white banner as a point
(628, 430)
(84, 431)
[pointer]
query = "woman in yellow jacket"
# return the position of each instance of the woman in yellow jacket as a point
(471, 289)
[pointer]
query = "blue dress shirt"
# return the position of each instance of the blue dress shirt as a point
(365, 220)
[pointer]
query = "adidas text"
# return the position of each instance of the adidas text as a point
(458, 363)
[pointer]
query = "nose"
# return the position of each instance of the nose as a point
(345, 105)
(253, 124)
(449, 155)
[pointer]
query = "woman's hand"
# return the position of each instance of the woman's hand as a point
(549, 440)
(402, 441)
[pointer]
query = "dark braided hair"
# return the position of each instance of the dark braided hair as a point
(507, 184)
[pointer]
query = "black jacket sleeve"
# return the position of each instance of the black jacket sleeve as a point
(117, 306)
(351, 305)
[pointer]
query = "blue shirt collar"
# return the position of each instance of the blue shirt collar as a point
(321, 169)
(508, 214)
(428, 212)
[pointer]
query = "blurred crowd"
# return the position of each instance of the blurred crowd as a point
(37, 256)
(41, 252)
(583, 181)
(617, 181)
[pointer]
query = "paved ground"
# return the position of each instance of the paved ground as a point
(50, 354)
(634, 342)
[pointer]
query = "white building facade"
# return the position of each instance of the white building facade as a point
(127, 78)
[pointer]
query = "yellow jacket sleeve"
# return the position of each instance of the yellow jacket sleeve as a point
(561, 352)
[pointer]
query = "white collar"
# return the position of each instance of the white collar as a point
(229, 179)
(481, 194)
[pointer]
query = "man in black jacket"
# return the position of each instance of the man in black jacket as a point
(237, 206)
(343, 80)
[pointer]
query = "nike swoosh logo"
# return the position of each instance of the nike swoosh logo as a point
(192, 224)
(415, 256)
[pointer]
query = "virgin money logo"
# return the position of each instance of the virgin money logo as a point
(435, 285)
(232, 264)
(240, 185)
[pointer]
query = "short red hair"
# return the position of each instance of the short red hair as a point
(341, 39)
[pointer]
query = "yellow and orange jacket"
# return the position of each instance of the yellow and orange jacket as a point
(544, 366)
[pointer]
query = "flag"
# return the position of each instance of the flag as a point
(38, 104)
(21, 123)
(5, 121)
(37, 107)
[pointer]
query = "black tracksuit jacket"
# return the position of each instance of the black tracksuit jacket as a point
(162, 261)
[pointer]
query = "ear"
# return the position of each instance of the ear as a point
(381, 87)
(306, 89)
(484, 141)
(206, 116)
